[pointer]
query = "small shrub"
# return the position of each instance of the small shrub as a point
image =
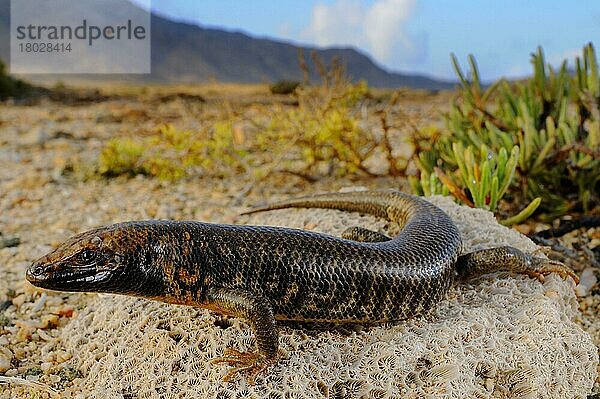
(324, 134)
(122, 156)
(284, 87)
(318, 137)
(171, 154)
(11, 87)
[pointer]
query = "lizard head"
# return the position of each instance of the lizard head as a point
(90, 261)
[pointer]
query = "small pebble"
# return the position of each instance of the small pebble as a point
(40, 303)
(6, 352)
(19, 300)
(587, 302)
(65, 312)
(19, 353)
(5, 362)
(523, 228)
(587, 281)
(44, 335)
(46, 366)
(63, 356)
(24, 333)
(49, 357)
(49, 321)
(9, 242)
(11, 373)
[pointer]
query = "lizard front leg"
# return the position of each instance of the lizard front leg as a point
(258, 312)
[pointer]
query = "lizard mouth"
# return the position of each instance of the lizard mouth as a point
(53, 276)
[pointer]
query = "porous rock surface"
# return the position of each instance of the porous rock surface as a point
(498, 336)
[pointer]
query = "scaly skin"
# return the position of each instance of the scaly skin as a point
(264, 274)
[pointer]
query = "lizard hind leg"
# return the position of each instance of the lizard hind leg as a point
(509, 259)
(361, 234)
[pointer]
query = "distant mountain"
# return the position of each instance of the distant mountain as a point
(183, 52)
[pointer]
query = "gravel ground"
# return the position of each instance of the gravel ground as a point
(40, 207)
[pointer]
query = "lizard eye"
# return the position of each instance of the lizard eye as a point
(87, 256)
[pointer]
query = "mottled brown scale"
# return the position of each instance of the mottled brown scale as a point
(264, 274)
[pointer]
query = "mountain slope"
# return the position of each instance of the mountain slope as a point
(184, 52)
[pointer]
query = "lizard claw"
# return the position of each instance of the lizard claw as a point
(541, 267)
(248, 362)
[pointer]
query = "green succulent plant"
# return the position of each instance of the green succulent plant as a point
(550, 126)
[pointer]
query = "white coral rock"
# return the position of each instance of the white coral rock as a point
(498, 336)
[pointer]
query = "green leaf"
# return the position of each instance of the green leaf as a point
(493, 194)
(484, 188)
(511, 165)
(524, 214)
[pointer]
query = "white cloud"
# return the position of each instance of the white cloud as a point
(383, 26)
(378, 28)
(339, 23)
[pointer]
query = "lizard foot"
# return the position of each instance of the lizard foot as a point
(510, 259)
(247, 362)
(541, 267)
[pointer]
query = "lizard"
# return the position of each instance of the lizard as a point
(267, 274)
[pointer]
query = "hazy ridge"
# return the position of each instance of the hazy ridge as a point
(183, 52)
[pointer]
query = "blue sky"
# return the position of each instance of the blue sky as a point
(412, 35)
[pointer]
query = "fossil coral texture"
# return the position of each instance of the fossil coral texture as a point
(498, 336)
